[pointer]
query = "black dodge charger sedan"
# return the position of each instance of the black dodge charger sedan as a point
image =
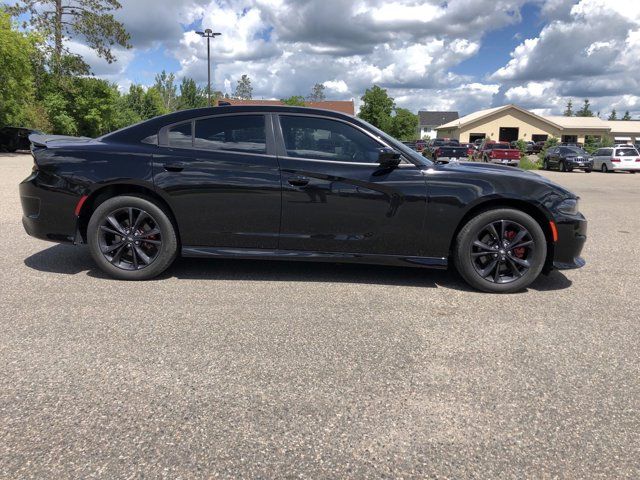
(290, 183)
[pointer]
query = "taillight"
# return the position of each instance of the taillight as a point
(637, 159)
(615, 160)
(470, 152)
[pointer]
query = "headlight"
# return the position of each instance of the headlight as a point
(569, 206)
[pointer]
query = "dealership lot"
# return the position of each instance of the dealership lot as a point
(259, 369)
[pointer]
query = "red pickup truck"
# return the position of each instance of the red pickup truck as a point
(498, 152)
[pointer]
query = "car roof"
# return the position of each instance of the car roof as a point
(149, 127)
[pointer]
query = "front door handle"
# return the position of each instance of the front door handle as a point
(298, 181)
(174, 166)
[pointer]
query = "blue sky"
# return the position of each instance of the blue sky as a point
(459, 55)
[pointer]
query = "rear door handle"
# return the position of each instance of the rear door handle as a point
(298, 181)
(174, 166)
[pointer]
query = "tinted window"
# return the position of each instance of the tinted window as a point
(499, 146)
(599, 152)
(180, 135)
(574, 151)
(323, 139)
(626, 152)
(240, 133)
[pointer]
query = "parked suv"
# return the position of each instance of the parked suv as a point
(611, 159)
(567, 159)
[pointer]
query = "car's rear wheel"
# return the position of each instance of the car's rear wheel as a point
(131, 238)
(604, 168)
(500, 251)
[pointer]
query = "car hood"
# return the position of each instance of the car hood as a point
(502, 170)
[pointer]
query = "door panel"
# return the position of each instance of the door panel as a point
(227, 195)
(346, 206)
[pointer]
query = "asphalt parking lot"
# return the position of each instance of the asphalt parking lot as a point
(263, 370)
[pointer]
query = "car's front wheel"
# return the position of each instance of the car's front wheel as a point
(500, 251)
(131, 238)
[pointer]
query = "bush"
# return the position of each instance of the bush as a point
(522, 146)
(551, 142)
(527, 164)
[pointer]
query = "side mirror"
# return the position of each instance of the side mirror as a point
(388, 157)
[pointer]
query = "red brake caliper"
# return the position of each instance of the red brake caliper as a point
(518, 252)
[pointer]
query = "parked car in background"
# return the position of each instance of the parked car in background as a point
(611, 159)
(444, 150)
(528, 147)
(538, 146)
(471, 148)
(498, 152)
(15, 138)
(567, 159)
(292, 183)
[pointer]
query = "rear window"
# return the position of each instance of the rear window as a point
(499, 146)
(626, 152)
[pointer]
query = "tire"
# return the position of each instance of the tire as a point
(631, 171)
(562, 166)
(587, 170)
(545, 164)
(154, 240)
(468, 258)
(485, 159)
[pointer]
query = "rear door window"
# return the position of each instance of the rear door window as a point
(236, 133)
(180, 136)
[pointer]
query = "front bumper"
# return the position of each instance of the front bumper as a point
(586, 165)
(572, 234)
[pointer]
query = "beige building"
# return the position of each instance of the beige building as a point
(510, 122)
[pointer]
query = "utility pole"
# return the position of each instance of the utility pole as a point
(208, 34)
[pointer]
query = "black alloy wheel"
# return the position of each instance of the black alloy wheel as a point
(500, 251)
(132, 238)
(563, 166)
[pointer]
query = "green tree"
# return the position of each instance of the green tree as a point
(16, 74)
(89, 20)
(294, 101)
(404, 125)
(166, 86)
(585, 111)
(244, 90)
(613, 115)
(569, 110)
(626, 116)
(317, 93)
(377, 107)
(191, 96)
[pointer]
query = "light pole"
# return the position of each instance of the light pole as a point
(208, 34)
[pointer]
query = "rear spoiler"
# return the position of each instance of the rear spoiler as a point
(41, 140)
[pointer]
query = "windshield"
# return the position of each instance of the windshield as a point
(576, 151)
(406, 151)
